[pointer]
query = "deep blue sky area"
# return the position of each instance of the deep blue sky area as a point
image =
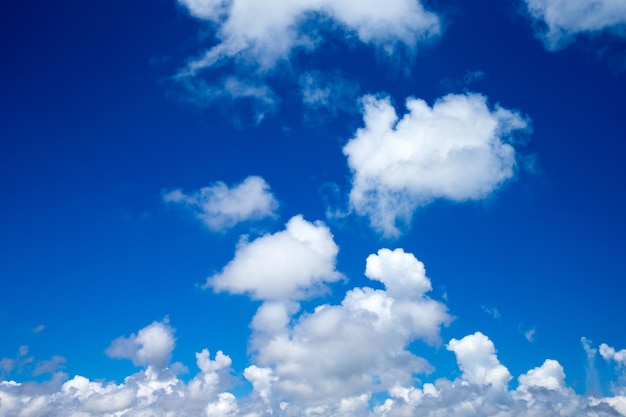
(96, 129)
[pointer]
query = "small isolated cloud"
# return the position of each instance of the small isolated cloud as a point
(458, 149)
(290, 264)
(473, 76)
(559, 22)
(530, 334)
(151, 346)
(325, 95)
(221, 207)
(492, 311)
(39, 329)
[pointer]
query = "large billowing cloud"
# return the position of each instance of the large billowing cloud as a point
(290, 264)
(265, 32)
(221, 207)
(560, 21)
(344, 352)
(458, 149)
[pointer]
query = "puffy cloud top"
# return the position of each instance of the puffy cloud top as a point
(152, 346)
(550, 376)
(403, 275)
(341, 353)
(221, 207)
(476, 356)
(456, 150)
(285, 265)
(563, 20)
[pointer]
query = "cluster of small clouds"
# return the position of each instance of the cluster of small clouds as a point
(459, 150)
(256, 40)
(348, 359)
(252, 40)
(24, 364)
(559, 22)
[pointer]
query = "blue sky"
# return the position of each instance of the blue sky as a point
(370, 208)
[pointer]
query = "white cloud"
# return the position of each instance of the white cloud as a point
(152, 345)
(609, 353)
(561, 21)
(550, 376)
(347, 360)
(476, 356)
(221, 207)
(402, 273)
(290, 264)
(457, 150)
(339, 354)
(266, 32)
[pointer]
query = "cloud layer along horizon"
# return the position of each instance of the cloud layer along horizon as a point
(349, 359)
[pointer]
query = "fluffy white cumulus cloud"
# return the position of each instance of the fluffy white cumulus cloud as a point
(458, 149)
(152, 345)
(221, 207)
(476, 356)
(560, 21)
(402, 273)
(290, 264)
(265, 32)
(337, 355)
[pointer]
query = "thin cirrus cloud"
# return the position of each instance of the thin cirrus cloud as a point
(286, 265)
(459, 149)
(349, 359)
(221, 207)
(559, 22)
